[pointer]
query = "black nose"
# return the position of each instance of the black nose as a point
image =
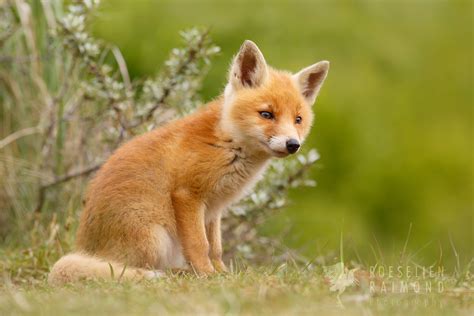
(292, 145)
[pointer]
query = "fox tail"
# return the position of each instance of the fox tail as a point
(79, 266)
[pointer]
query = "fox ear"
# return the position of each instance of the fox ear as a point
(249, 68)
(310, 79)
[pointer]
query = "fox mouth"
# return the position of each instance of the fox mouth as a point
(280, 154)
(276, 153)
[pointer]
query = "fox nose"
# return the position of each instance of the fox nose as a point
(292, 145)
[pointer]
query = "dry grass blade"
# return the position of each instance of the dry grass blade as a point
(19, 134)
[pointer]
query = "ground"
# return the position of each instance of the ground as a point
(283, 290)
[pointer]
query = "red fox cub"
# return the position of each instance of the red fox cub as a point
(157, 202)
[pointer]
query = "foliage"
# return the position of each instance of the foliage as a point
(71, 101)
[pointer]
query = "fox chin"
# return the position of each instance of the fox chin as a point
(157, 203)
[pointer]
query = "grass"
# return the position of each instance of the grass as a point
(292, 288)
(315, 287)
(283, 291)
(327, 285)
(287, 289)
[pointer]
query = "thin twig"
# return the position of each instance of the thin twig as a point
(72, 175)
(62, 179)
(192, 54)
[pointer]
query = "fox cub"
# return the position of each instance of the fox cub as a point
(157, 202)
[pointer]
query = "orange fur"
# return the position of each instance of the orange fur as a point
(158, 200)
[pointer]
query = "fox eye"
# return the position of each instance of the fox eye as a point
(266, 115)
(298, 119)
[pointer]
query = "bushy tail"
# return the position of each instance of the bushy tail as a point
(78, 266)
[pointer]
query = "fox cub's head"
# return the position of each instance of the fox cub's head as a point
(267, 109)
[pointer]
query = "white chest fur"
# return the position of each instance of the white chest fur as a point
(239, 178)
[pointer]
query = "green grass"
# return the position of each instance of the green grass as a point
(286, 290)
(290, 288)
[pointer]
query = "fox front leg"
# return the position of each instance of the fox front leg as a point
(213, 231)
(189, 212)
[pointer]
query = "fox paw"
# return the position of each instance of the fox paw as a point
(219, 265)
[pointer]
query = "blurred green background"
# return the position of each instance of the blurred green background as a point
(393, 121)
